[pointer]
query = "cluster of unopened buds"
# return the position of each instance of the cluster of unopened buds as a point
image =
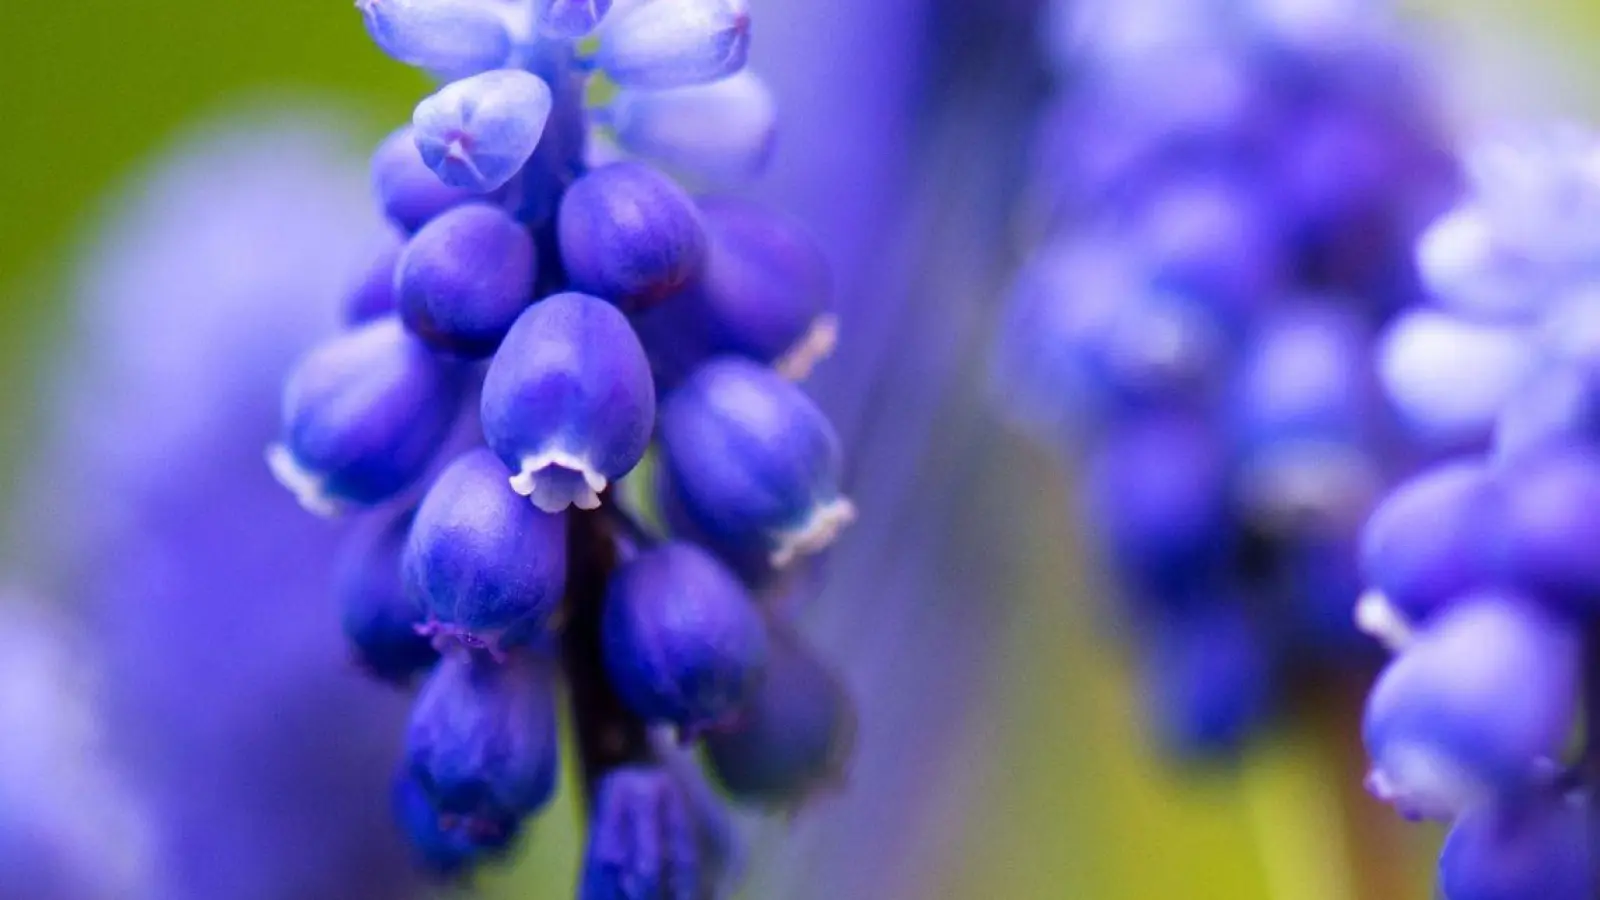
(1200, 321)
(1482, 569)
(564, 404)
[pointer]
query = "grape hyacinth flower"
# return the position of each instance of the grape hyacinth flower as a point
(1200, 322)
(538, 545)
(372, 296)
(1512, 273)
(482, 741)
(793, 738)
(482, 564)
(668, 45)
(475, 134)
(734, 123)
(1481, 572)
(752, 463)
(684, 642)
(1432, 539)
(463, 279)
(645, 841)
(763, 294)
(629, 234)
(364, 415)
(449, 38)
(1475, 708)
(1540, 849)
(381, 623)
(569, 405)
(410, 194)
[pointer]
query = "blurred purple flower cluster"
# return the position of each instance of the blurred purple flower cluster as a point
(1229, 192)
(236, 747)
(1481, 570)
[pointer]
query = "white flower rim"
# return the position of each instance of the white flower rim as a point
(309, 488)
(576, 484)
(1377, 617)
(816, 533)
(813, 347)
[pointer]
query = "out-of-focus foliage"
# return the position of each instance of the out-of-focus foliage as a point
(93, 85)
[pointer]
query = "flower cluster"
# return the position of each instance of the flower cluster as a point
(1481, 569)
(564, 399)
(1201, 318)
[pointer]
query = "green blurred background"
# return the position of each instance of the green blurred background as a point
(1070, 803)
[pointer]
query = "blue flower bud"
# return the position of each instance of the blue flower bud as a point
(1157, 499)
(1539, 850)
(1307, 378)
(1432, 540)
(1442, 401)
(796, 735)
(666, 45)
(1464, 266)
(1551, 517)
(363, 416)
(1054, 307)
(449, 38)
(1085, 335)
(568, 403)
(1568, 331)
(444, 843)
(373, 296)
(753, 463)
(723, 131)
(1558, 407)
(1530, 225)
(483, 565)
(1305, 411)
(1213, 239)
(1476, 708)
(644, 841)
(569, 18)
(1209, 677)
(765, 294)
(447, 843)
(630, 234)
(683, 642)
(477, 133)
(380, 621)
(464, 278)
(482, 742)
(410, 193)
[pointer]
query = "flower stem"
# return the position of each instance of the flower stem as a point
(608, 734)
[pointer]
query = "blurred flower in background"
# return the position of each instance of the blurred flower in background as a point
(80, 832)
(1199, 323)
(233, 728)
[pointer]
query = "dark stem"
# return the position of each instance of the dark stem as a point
(609, 736)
